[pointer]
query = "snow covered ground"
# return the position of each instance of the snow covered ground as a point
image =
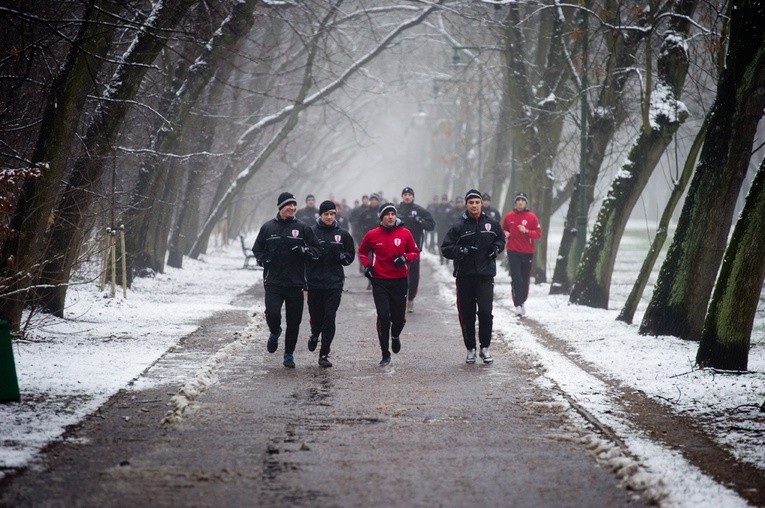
(68, 368)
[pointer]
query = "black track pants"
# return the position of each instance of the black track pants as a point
(292, 298)
(390, 302)
(475, 295)
(414, 279)
(322, 309)
(520, 273)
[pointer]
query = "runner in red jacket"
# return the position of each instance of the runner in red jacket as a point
(522, 229)
(385, 253)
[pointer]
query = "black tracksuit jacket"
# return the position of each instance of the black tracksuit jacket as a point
(337, 250)
(409, 213)
(482, 239)
(282, 248)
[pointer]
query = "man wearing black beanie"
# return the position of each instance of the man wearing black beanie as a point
(473, 242)
(325, 277)
(385, 253)
(417, 220)
(281, 248)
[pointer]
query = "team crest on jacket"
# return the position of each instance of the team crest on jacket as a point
(487, 226)
(295, 233)
(397, 241)
(337, 238)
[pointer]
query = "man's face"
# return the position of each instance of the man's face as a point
(373, 202)
(407, 197)
(288, 211)
(520, 204)
(364, 201)
(474, 207)
(389, 219)
(328, 217)
(486, 203)
(310, 202)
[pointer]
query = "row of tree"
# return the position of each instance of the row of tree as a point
(159, 115)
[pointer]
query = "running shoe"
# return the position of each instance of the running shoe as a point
(395, 345)
(289, 362)
(273, 341)
(485, 355)
(313, 341)
(470, 358)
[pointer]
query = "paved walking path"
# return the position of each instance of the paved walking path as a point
(428, 430)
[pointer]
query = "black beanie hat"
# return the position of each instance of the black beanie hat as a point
(385, 209)
(285, 198)
(522, 196)
(472, 193)
(407, 190)
(326, 206)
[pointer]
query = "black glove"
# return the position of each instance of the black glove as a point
(344, 256)
(420, 219)
(492, 254)
(465, 251)
(301, 249)
(369, 272)
(399, 260)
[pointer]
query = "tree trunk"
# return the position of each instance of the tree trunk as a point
(593, 281)
(58, 126)
(725, 339)
(679, 303)
(630, 305)
(68, 230)
(187, 220)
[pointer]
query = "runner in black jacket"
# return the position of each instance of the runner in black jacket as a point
(282, 247)
(417, 220)
(325, 277)
(473, 242)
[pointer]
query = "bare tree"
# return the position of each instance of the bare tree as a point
(70, 226)
(290, 113)
(22, 253)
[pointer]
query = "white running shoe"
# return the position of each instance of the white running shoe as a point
(470, 356)
(485, 355)
(519, 310)
(410, 306)
(523, 309)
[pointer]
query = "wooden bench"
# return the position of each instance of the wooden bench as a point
(248, 255)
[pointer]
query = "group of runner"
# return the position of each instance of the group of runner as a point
(307, 250)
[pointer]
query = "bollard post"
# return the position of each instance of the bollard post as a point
(124, 261)
(9, 383)
(113, 247)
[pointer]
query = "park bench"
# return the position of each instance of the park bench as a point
(248, 255)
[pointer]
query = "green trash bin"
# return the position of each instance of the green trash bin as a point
(9, 383)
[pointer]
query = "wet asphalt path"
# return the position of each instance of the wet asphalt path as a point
(428, 430)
